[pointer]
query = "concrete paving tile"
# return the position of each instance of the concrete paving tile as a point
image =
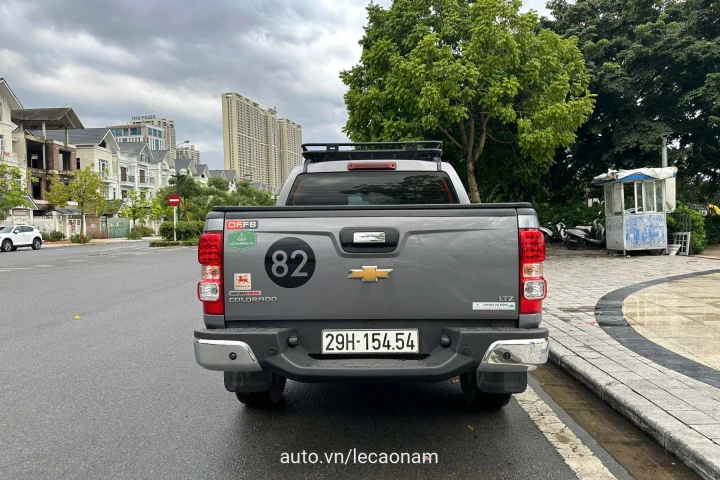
(664, 400)
(669, 385)
(710, 431)
(693, 417)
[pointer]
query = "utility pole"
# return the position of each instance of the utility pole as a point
(664, 137)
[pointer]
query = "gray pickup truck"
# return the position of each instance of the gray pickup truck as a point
(373, 266)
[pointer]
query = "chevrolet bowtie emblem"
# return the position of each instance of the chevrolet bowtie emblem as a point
(370, 274)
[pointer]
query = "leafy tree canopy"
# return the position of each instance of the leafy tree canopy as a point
(479, 74)
(137, 206)
(655, 67)
(84, 187)
(12, 188)
(197, 200)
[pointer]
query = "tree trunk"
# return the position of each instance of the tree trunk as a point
(82, 223)
(472, 182)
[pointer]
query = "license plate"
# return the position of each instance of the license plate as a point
(370, 341)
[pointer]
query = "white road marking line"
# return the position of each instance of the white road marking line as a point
(578, 457)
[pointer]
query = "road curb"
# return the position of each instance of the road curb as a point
(693, 449)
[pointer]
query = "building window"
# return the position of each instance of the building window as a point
(2, 144)
(103, 164)
(135, 131)
(123, 174)
(77, 163)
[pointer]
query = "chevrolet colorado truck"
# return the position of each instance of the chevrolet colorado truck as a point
(373, 265)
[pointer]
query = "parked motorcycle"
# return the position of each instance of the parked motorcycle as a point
(588, 237)
(553, 232)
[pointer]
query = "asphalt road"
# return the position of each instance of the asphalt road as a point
(116, 393)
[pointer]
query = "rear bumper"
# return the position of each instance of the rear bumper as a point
(486, 350)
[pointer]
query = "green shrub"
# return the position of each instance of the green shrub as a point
(77, 238)
(53, 236)
(698, 236)
(185, 230)
(164, 243)
(144, 231)
(572, 214)
(134, 235)
(712, 229)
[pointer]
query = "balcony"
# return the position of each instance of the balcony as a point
(127, 179)
(109, 177)
(10, 158)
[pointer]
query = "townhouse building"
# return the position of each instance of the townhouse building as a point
(95, 148)
(229, 175)
(160, 165)
(134, 169)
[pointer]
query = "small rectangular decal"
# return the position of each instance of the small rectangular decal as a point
(493, 305)
(252, 293)
(242, 240)
(243, 281)
(241, 224)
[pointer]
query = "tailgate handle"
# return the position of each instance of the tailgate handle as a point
(369, 239)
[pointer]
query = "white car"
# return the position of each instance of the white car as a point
(16, 236)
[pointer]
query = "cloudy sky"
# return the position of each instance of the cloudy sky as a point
(111, 60)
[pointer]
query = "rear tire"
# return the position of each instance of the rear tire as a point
(37, 243)
(268, 398)
(572, 245)
(481, 400)
(6, 245)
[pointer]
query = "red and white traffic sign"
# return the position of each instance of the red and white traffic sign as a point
(174, 199)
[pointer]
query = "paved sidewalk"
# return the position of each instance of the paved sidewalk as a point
(682, 316)
(681, 413)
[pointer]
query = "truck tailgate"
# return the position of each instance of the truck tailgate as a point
(324, 264)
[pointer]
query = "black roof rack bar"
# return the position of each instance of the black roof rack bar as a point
(410, 145)
(414, 150)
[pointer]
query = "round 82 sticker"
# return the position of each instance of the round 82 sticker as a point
(290, 262)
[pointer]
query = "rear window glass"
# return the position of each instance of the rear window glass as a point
(372, 188)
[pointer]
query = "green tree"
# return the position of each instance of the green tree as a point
(12, 188)
(481, 74)
(197, 200)
(655, 67)
(85, 187)
(219, 183)
(158, 209)
(136, 206)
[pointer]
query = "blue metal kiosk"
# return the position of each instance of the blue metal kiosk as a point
(636, 206)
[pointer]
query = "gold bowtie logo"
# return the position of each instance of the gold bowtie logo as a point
(370, 274)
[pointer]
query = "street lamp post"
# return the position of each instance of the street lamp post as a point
(177, 177)
(664, 137)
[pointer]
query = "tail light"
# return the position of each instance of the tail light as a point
(210, 287)
(533, 288)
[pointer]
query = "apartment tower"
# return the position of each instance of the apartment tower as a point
(290, 149)
(252, 140)
(168, 127)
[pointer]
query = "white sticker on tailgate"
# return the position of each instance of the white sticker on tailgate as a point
(493, 305)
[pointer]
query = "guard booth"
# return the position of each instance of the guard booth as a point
(636, 206)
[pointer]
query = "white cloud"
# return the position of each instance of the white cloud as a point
(175, 59)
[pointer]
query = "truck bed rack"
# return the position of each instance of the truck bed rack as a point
(328, 152)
